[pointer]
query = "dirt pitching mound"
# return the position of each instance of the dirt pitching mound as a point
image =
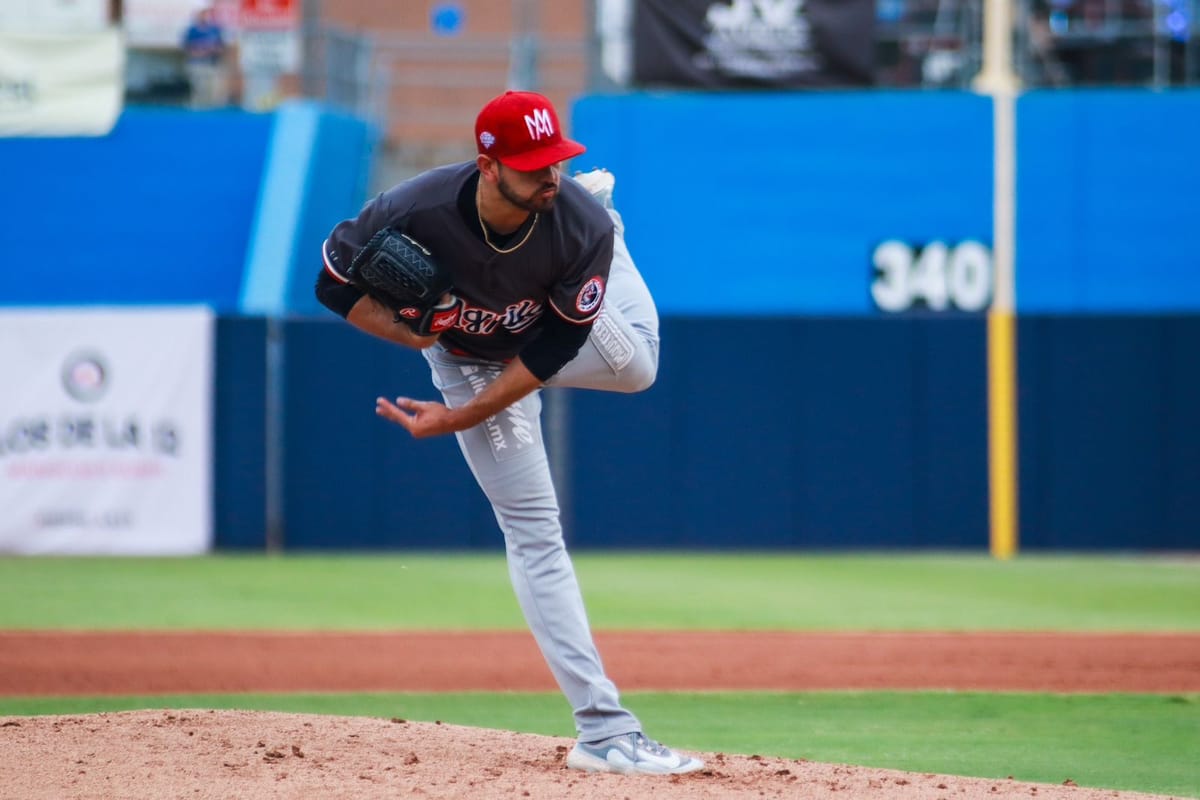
(250, 755)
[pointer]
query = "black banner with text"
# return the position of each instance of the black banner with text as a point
(753, 43)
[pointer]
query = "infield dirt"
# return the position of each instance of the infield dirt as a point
(252, 755)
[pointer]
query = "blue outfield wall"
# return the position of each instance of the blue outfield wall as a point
(788, 412)
(1108, 206)
(224, 208)
(315, 176)
(159, 211)
(353, 480)
(766, 204)
(239, 435)
(227, 208)
(1109, 447)
(826, 433)
(836, 432)
(833, 433)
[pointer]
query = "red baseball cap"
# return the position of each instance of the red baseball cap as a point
(521, 131)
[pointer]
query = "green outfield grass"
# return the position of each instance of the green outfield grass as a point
(644, 590)
(1121, 741)
(1126, 741)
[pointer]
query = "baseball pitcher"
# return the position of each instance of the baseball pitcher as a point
(508, 277)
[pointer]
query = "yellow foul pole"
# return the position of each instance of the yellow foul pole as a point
(998, 80)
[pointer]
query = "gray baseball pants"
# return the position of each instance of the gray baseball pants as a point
(508, 458)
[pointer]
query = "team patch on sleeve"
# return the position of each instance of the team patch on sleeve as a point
(590, 295)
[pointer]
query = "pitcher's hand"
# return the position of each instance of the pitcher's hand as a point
(421, 418)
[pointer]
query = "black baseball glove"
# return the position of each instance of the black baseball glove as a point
(399, 273)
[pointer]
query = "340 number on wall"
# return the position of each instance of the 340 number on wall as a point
(935, 276)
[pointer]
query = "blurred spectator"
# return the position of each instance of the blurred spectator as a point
(1110, 42)
(204, 48)
(1175, 26)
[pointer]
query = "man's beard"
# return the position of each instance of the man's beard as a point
(532, 203)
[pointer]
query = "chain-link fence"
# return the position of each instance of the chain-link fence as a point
(424, 94)
(1109, 42)
(423, 91)
(1059, 43)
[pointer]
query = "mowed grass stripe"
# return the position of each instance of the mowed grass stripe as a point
(623, 591)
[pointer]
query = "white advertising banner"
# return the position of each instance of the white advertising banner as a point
(61, 84)
(106, 431)
(75, 16)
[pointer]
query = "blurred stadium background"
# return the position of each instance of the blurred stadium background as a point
(919, 328)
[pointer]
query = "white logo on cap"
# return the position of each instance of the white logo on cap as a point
(487, 139)
(539, 124)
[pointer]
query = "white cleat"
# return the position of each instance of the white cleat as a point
(630, 754)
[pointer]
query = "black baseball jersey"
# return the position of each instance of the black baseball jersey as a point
(561, 268)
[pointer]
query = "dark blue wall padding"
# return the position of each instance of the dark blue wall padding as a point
(157, 211)
(765, 203)
(239, 446)
(1106, 201)
(816, 432)
(1109, 446)
(820, 433)
(354, 480)
(785, 461)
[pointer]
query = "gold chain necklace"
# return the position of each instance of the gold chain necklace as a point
(486, 238)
